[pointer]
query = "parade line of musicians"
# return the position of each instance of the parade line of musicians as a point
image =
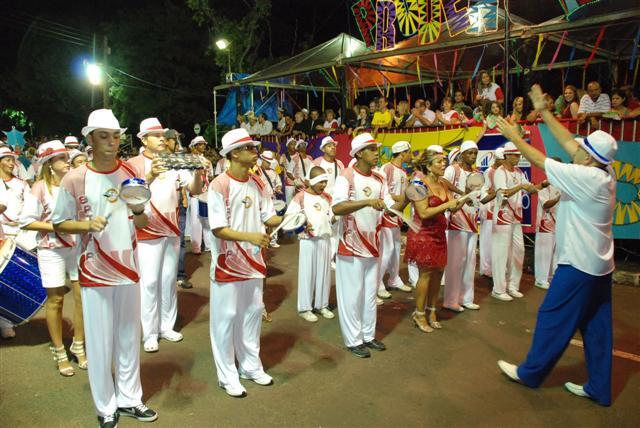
(122, 258)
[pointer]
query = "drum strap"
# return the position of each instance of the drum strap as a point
(304, 169)
(264, 172)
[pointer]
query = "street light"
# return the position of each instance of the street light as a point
(94, 74)
(223, 44)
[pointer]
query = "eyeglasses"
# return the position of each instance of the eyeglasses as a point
(247, 148)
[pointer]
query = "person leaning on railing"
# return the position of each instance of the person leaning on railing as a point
(593, 104)
(567, 104)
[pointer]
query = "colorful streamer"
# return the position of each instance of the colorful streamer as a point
(475, 70)
(595, 47)
(555, 55)
(455, 63)
(539, 51)
(435, 62)
(418, 70)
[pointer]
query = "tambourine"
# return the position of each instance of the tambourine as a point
(292, 223)
(416, 190)
(475, 181)
(134, 191)
(280, 207)
(181, 161)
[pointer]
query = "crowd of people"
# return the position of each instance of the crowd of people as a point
(352, 219)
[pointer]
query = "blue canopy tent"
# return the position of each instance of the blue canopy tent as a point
(261, 101)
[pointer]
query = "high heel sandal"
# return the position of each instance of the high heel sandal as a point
(60, 356)
(420, 322)
(433, 323)
(77, 350)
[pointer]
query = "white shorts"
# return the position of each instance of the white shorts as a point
(55, 263)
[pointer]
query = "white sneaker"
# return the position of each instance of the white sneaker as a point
(379, 301)
(333, 265)
(7, 332)
(326, 313)
(384, 294)
(274, 245)
(472, 306)
(576, 389)
(501, 296)
(233, 390)
(261, 378)
(151, 345)
(171, 336)
(511, 370)
(308, 316)
(403, 287)
(515, 293)
(543, 285)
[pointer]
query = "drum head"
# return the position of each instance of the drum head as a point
(416, 191)
(279, 205)
(475, 181)
(135, 191)
(293, 222)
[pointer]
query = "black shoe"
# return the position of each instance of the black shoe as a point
(140, 412)
(184, 283)
(359, 351)
(375, 344)
(110, 421)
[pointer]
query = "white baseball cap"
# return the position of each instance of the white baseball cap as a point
(400, 146)
(510, 149)
(49, 150)
(71, 141)
(361, 141)
(327, 140)
(149, 126)
(300, 143)
(600, 145)
(500, 153)
(198, 140)
(6, 151)
(268, 157)
(453, 154)
(102, 119)
(435, 148)
(235, 139)
(468, 145)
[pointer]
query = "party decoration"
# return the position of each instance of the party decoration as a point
(483, 16)
(456, 16)
(595, 47)
(539, 51)
(408, 16)
(15, 138)
(366, 19)
(634, 49)
(555, 55)
(572, 7)
(385, 18)
(430, 21)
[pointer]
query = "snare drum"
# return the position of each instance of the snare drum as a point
(203, 206)
(294, 223)
(134, 191)
(21, 291)
(280, 207)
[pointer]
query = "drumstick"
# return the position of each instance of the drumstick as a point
(282, 223)
(469, 195)
(412, 224)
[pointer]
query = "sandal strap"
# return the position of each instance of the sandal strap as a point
(77, 349)
(59, 354)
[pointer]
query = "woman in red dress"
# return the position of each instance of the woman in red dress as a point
(427, 248)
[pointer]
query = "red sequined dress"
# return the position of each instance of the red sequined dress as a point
(427, 248)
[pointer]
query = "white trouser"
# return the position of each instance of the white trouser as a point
(207, 233)
(507, 256)
(196, 227)
(461, 268)
(234, 325)
(158, 275)
(335, 241)
(545, 263)
(112, 326)
(314, 274)
(187, 221)
(356, 289)
(414, 273)
(289, 193)
(486, 231)
(390, 245)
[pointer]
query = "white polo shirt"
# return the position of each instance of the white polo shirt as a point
(584, 238)
(601, 105)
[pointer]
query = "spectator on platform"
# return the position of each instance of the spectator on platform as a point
(265, 125)
(282, 122)
(300, 126)
(488, 90)
(567, 104)
(330, 123)
(632, 102)
(349, 118)
(448, 116)
(401, 114)
(288, 125)
(490, 121)
(620, 107)
(383, 117)
(373, 108)
(254, 127)
(517, 114)
(459, 102)
(421, 115)
(594, 104)
(534, 115)
(313, 122)
(362, 122)
(241, 122)
(305, 113)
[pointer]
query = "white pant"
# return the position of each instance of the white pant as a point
(390, 245)
(461, 268)
(289, 193)
(234, 325)
(507, 257)
(414, 273)
(158, 274)
(486, 232)
(112, 326)
(545, 263)
(335, 238)
(356, 289)
(199, 228)
(314, 274)
(55, 264)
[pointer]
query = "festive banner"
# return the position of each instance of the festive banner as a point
(429, 22)
(408, 16)
(483, 16)
(455, 13)
(385, 20)
(572, 7)
(366, 19)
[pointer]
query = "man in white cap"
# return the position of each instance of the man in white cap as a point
(486, 213)
(580, 293)
(273, 184)
(360, 195)
(285, 161)
(545, 244)
(507, 244)
(71, 142)
(239, 210)
(88, 203)
(199, 231)
(462, 236)
(159, 240)
(299, 166)
(390, 236)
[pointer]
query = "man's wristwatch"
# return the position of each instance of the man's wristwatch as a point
(137, 213)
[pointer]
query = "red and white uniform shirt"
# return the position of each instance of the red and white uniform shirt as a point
(15, 193)
(396, 179)
(333, 170)
(242, 206)
(107, 257)
(299, 167)
(39, 206)
(317, 209)
(271, 181)
(465, 219)
(165, 200)
(511, 210)
(285, 160)
(450, 115)
(493, 92)
(360, 230)
(486, 210)
(546, 218)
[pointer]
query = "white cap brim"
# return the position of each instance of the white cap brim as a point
(226, 150)
(89, 129)
(353, 152)
(151, 131)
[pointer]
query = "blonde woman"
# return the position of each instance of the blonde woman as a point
(56, 254)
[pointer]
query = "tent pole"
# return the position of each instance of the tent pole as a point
(506, 54)
(342, 73)
(215, 119)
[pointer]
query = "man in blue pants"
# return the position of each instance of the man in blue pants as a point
(579, 297)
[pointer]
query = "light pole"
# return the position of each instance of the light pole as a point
(223, 45)
(95, 76)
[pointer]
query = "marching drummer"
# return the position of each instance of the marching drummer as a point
(88, 203)
(314, 261)
(199, 231)
(285, 161)
(299, 166)
(159, 240)
(272, 182)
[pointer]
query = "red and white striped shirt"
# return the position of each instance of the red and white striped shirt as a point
(396, 179)
(465, 219)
